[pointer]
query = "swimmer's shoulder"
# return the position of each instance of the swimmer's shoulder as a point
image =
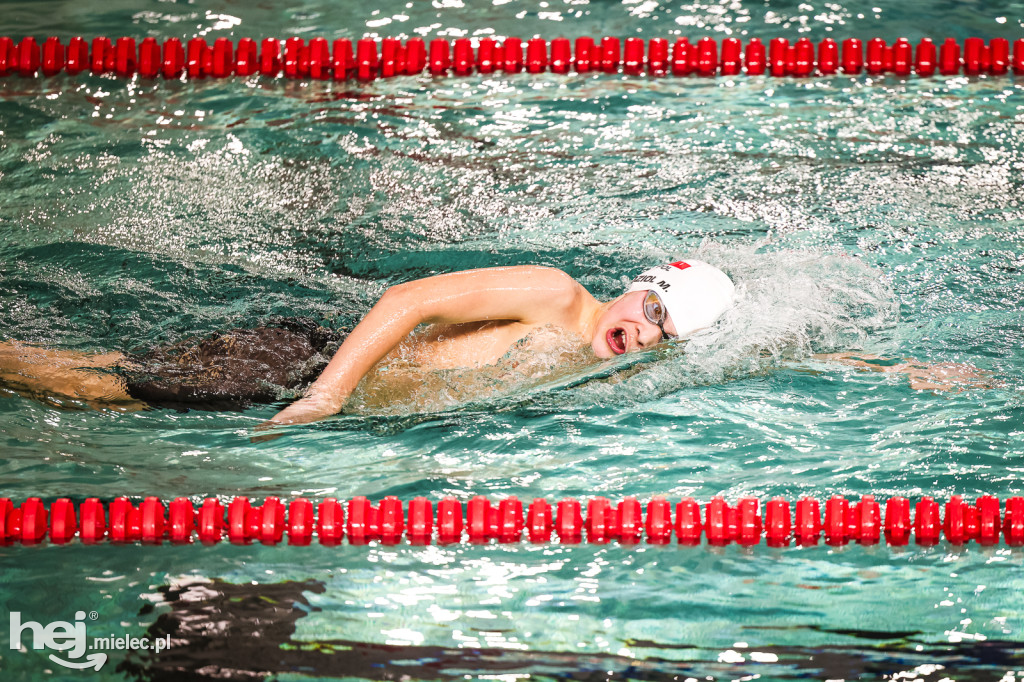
(557, 286)
(540, 275)
(559, 299)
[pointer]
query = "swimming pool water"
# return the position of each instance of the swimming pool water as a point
(871, 213)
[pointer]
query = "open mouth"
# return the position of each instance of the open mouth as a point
(617, 340)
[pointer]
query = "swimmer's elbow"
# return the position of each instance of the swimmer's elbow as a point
(404, 299)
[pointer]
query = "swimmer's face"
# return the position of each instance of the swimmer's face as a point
(624, 327)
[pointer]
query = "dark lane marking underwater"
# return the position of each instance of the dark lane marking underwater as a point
(224, 631)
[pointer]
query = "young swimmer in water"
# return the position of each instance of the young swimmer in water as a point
(476, 316)
(473, 319)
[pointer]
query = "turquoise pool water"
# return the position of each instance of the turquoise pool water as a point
(874, 214)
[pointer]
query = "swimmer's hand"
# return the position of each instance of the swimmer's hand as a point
(309, 408)
(313, 406)
(266, 437)
(943, 376)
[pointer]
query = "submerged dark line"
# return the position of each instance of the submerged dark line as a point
(223, 631)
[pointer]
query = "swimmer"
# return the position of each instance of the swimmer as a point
(476, 316)
(471, 318)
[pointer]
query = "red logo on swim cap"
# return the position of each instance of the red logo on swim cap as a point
(681, 264)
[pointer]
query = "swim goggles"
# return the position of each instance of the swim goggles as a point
(656, 313)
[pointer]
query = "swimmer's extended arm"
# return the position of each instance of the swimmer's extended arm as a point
(526, 294)
(938, 377)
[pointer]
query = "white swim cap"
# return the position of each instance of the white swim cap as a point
(695, 293)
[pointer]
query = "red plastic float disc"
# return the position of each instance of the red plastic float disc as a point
(777, 522)
(149, 58)
(658, 523)
(657, 57)
(988, 520)
(633, 58)
(748, 522)
(731, 60)
(195, 57)
(53, 56)
(223, 60)
(513, 55)
(707, 57)
(1013, 522)
(449, 521)
(561, 55)
(611, 54)
(487, 61)
(777, 50)
(292, 57)
(343, 61)
(836, 511)
(598, 513)
(239, 512)
(897, 521)
(319, 59)
(210, 524)
(390, 63)
(173, 64)
(361, 525)
(300, 522)
(440, 61)
(688, 522)
(270, 57)
(536, 55)
(390, 520)
(124, 57)
(93, 521)
(421, 521)
(949, 57)
(973, 48)
(925, 58)
(630, 522)
(586, 56)
(63, 524)
(247, 60)
(510, 520)
(569, 522)
(803, 64)
(28, 57)
(807, 523)
(123, 521)
(270, 521)
(463, 60)
(852, 56)
(415, 56)
(754, 58)
(8, 58)
(478, 513)
(180, 521)
(330, 522)
(539, 524)
(828, 57)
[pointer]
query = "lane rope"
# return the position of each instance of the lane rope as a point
(420, 522)
(366, 59)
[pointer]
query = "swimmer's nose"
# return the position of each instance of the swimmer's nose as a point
(648, 335)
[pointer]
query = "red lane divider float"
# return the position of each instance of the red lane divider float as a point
(419, 521)
(367, 59)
